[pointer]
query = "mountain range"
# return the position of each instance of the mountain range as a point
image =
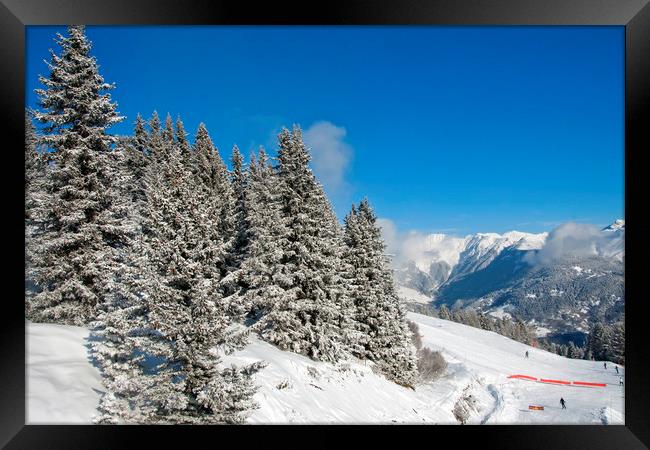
(561, 281)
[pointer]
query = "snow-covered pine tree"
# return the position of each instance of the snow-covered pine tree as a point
(34, 167)
(597, 341)
(240, 182)
(506, 327)
(354, 280)
(232, 284)
(444, 313)
(572, 350)
(306, 316)
(84, 232)
(183, 143)
(156, 349)
(135, 150)
(471, 318)
(154, 138)
(485, 322)
(168, 132)
(35, 199)
(379, 314)
(141, 136)
(617, 342)
(122, 328)
(521, 332)
(265, 234)
(216, 196)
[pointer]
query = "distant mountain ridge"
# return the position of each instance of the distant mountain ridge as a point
(505, 274)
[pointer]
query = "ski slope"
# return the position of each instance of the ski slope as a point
(63, 387)
(493, 357)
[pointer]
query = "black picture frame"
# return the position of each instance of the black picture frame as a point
(634, 15)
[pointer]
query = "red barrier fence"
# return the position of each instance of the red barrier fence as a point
(584, 383)
(554, 381)
(524, 377)
(562, 382)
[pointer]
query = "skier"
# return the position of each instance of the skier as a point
(562, 403)
(616, 367)
(526, 353)
(620, 381)
(605, 365)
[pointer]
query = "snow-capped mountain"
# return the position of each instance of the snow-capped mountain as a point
(618, 225)
(444, 258)
(482, 248)
(563, 280)
(614, 246)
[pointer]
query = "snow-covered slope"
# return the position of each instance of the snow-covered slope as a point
(412, 295)
(64, 387)
(492, 357)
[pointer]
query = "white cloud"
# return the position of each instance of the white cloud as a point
(331, 156)
(389, 234)
(416, 246)
(567, 240)
(573, 240)
(413, 247)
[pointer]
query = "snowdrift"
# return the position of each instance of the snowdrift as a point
(64, 387)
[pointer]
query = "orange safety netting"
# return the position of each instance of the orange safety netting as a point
(563, 382)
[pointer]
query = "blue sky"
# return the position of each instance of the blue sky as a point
(445, 129)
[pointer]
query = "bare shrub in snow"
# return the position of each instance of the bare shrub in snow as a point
(416, 337)
(431, 365)
(461, 412)
(464, 407)
(313, 372)
(284, 384)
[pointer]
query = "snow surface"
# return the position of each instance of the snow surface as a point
(500, 312)
(411, 295)
(63, 387)
(492, 357)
